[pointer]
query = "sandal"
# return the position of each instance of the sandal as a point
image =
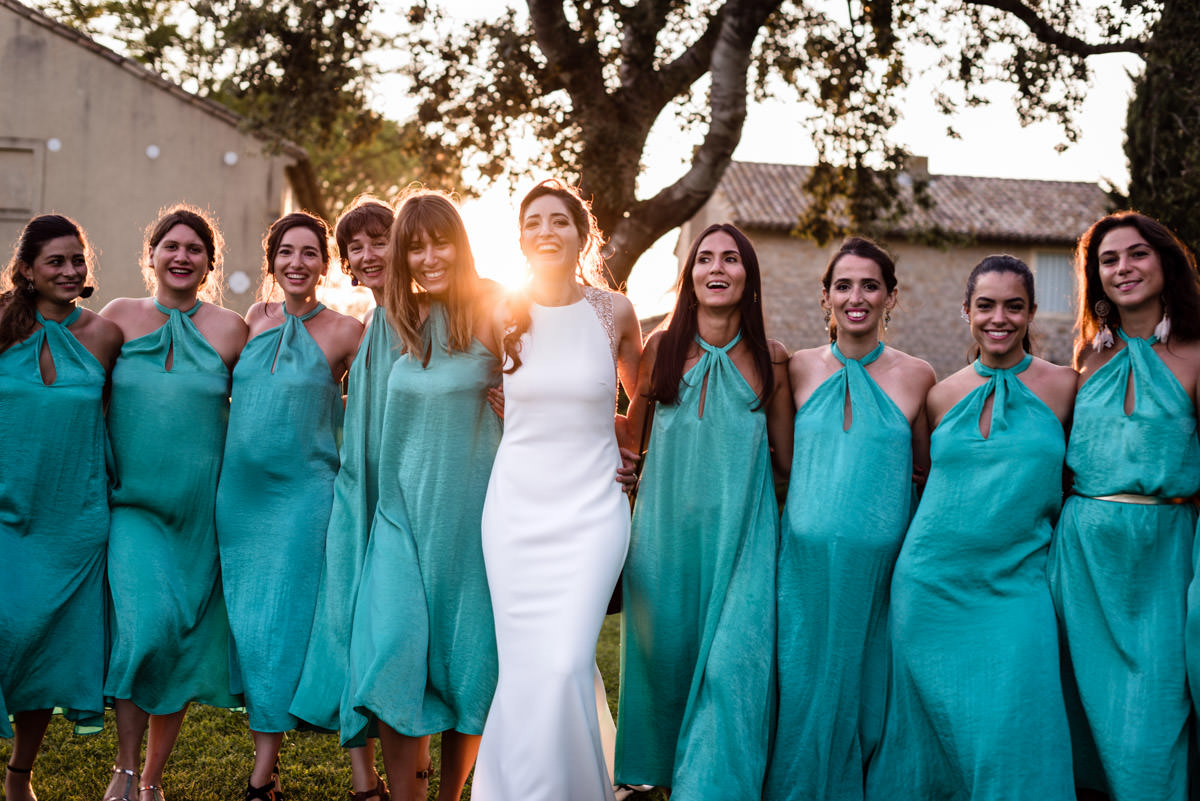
(425, 774)
(156, 792)
(268, 792)
(26, 774)
(379, 791)
(114, 791)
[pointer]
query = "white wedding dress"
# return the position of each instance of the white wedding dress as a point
(555, 532)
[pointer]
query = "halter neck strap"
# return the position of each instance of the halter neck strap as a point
(864, 361)
(66, 321)
(1019, 367)
(714, 349)
(1129, 338)
(308, 315)
(186, 313)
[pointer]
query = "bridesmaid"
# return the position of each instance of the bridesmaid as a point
(362, 240)
(54, 362)
(276, 486)
(976, 706)
(1121, 559)
(860, 431)
(698, 641)
(423, 647)
(170, 636)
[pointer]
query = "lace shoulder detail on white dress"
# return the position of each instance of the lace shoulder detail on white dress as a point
(602, 304)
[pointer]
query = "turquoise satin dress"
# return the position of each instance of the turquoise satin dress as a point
(698, 635)
(273, 502)
(848, 506)
(53, 529)
(976, 707)
(166, 421)
(355, 493)
(423, 646)
(1119, 573)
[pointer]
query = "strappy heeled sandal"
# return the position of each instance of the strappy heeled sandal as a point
(131, 784)
(268, 792)
(379, 791)
(156, 792)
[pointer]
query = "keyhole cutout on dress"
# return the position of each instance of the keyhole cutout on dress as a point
(169, 362)
(46, 364)
(703, 396)
(1130, 400)
(847, 412)
(985, 416)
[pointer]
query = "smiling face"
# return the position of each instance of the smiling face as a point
(431, 259)
(1000, 313)
(718, 275)
(1131, 272)
(549, 238)
(180, 260)
(366, 255)
(58, 271)
(857, 297)
(298, 264)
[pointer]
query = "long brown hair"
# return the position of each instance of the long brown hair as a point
(1181, 285)
(204, 227)
(683, 324)
(589, 269)
(18, 299)
(432, 213)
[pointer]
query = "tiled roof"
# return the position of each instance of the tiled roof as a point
(771, 196)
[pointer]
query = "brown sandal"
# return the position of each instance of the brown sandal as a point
(379, 791)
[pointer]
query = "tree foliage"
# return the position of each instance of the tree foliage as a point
(590, 78)
(299, 71)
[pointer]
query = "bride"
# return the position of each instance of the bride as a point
(555, 524)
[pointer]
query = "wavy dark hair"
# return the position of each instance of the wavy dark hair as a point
(863, 248)
(18, 301)
(274, 236)
(366, 213)
(589, 269)
(432, 213)
(1001, 264)
(204, 227)
(1181, 284)
(683, 326)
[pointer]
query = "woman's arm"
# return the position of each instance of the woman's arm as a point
(781, 411)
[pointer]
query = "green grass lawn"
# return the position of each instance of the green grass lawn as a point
(213, 757)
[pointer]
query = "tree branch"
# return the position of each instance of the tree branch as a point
(1048, 34)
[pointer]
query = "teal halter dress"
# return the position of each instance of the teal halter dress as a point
(166, 421)
(698, 635)
(355, 493)
(848, 506)
(1120, 571)
(273, 502)
(53, 529)
(976, 707)
(423, 646)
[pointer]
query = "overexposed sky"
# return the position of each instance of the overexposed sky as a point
(992, 143)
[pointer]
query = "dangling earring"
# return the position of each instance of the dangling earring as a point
(1103, 338)
(966, 317)
(87, 292)
(887, 318)
(1163, 329)
(353, 281)
(828, 316)
(755, 296)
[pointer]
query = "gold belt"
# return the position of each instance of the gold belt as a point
(1143, 500)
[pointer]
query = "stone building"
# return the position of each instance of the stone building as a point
(1036, 221)
(94, 135)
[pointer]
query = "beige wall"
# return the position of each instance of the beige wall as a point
(926, 322)
(104, 114)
